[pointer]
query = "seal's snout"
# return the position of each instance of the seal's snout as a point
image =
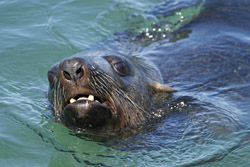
(72, 69)
(81, 105)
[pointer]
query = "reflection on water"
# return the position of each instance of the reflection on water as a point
(205, 58)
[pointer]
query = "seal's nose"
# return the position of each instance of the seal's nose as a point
(72, 69)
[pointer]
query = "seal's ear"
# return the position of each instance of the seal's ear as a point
(52, 74)
(158, 87)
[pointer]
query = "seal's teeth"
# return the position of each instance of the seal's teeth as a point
(91, 98)
(72, 100)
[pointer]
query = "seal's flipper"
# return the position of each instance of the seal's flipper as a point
(158, 87)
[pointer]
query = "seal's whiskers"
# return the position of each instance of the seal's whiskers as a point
(59, 96)
(107, 87)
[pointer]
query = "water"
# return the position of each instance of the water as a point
(206, 59)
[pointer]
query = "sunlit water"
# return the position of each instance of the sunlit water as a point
(205, 57)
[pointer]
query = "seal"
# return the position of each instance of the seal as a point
(104, 90)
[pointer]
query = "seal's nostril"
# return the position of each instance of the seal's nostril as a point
(72, 69)
(79, 73)
(67, 75)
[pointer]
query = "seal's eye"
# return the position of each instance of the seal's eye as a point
(120, 68)
(119, 65)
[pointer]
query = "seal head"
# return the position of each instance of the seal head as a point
(103, 90)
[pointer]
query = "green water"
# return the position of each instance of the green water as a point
(36, 34)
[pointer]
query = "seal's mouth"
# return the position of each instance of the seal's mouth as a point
(85, 98)
(87, 110)
(82, 97)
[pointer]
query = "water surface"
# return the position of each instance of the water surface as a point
(204, 55)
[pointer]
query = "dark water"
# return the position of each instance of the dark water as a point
(204, 55)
